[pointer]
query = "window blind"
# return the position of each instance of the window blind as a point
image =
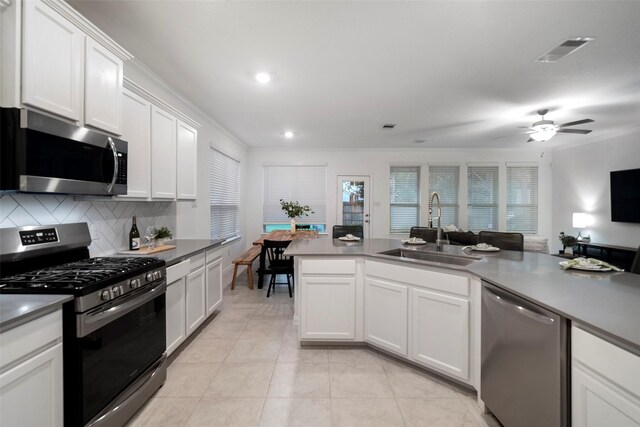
(305, 184)
(404, 198)
(522, 199)
(224, 198)
(446, 181)
(482, 197)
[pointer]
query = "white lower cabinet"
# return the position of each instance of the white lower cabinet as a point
(214, 281)
(176, 325)
(195, 299)
(385, 315)
(440, 332)
(31, 366)
(605, 383)
(329, 308)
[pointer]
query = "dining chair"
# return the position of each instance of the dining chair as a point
(635, 267)
(343, 230)
(506, 241)
(278, 263)
(425, 233)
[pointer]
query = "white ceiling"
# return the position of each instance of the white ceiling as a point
(458, 74)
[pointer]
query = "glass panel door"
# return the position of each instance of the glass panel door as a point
(353, 202)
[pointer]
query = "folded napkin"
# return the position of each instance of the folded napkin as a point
(588, 262)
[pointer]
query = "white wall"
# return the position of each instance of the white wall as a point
(581, 184)
(376, 162)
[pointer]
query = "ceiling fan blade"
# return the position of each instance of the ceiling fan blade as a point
(530, 139)
(579, 122)
(524, 127)
(580, 131)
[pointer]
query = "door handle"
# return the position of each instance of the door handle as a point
(115, 164)
(366, 220)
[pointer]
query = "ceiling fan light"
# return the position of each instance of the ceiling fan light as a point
(543, 132)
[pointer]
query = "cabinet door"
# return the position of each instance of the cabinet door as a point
(440, 332)
(36, 381)
(102, 88)
(195, 296)
(597, 402)
(163, 154)
(52, 61)
(136, 130)
(328, 308)
(214, 285)
(187, 162)
(176, 318)
(385, 315)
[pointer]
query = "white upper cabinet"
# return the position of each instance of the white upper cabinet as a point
(102, 89)
(163, 154)
(136, 130)
(187, 142)
(52, 61)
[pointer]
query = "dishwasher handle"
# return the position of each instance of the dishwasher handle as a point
(518, 308)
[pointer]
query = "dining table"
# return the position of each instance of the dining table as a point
(279, 235)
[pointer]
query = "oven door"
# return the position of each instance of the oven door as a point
(116, 343)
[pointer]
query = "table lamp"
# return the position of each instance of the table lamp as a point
(580, 220)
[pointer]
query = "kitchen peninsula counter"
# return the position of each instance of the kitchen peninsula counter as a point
(606, 302)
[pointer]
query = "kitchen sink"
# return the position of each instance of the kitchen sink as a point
(432, 256)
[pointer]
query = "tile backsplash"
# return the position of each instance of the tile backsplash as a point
(109, 221)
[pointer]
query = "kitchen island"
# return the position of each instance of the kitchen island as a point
(607, 302)
(424, 307)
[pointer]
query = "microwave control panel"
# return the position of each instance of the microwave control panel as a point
(35, 237)
(122, 169)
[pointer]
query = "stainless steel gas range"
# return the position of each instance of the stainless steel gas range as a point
(113, 331)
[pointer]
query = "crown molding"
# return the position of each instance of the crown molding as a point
(87, 27)
(140, 91)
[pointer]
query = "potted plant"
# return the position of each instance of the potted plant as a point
(163, 235)
(294, 210)
(567, 241)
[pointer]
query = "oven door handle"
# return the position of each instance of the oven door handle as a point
(94, 320)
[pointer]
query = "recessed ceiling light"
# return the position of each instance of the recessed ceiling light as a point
(419, 141)
(263, 78)
(288, 134)
(388, 126)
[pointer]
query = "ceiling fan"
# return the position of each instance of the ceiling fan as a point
(544, 130)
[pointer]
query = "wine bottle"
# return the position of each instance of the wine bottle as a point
(134, 236)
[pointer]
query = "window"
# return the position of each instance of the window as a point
(482, 198)
(305, 184)
(404, 198)
(522, 199)
(223, 195)
(445, 180)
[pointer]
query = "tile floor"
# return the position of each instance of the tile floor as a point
(245, 368)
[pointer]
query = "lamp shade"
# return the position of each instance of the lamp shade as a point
(580, 220)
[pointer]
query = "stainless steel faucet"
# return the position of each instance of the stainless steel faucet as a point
(439, 242)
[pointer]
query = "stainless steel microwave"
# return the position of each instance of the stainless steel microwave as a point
(41, 154)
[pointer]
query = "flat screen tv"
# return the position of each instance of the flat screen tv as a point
(625, 196)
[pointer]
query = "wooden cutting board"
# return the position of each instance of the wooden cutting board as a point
(147, 251)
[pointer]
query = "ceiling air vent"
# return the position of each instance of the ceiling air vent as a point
(564, 49)
(388, 126)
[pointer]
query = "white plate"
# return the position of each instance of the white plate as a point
(587, 267)
(489, 249)
(346, 239)
(416, 242)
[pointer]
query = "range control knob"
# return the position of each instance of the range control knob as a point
(134, 283)
(157, 275)
(149, 277)
(105, 295)
(115, 291)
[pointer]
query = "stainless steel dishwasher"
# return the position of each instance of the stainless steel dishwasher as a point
(523, 379)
